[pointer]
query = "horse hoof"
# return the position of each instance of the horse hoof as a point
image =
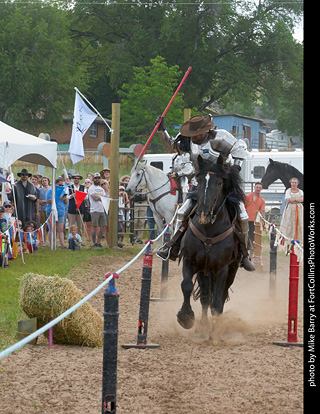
(186, 320)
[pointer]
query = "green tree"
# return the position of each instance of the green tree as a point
(37, 65)
(145, 98)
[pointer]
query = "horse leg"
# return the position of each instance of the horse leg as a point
(219, 291)
(204, 285)
(204, 282)
(185, 315)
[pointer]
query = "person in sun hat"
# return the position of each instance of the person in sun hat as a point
(105, 174)
(210, 144)
(24, 195)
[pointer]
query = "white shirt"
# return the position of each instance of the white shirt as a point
(95, 191)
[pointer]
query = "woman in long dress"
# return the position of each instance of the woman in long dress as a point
(292, 219)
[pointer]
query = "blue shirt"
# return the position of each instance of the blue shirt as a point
(59, 203)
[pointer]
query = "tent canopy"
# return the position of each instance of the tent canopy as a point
(17, 145)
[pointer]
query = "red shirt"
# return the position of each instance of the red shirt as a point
(252, 206)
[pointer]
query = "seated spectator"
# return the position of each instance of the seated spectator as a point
(74, 238)
(29, 237)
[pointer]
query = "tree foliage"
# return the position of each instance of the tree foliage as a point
(36, 64)
(146, 97)
(239, 52)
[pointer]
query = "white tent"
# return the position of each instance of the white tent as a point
(17, 145)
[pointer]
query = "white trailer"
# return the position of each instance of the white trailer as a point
(252, 171)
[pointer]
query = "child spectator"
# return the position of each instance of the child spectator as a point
(74, 238)
(29, 234)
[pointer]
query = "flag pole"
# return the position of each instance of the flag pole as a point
(163, 115)
(77, 90)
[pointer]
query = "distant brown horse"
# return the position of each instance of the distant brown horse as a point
(209, 248)
(281, 171)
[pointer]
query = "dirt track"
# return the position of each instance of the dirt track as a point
(239, 371)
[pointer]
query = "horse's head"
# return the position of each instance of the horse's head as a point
(271, 174)
(137, 178)
(210, 191)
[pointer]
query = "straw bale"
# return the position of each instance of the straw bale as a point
(47, 297)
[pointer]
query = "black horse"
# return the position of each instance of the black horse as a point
(282, 171)
(209, 247)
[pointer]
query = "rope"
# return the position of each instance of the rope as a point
(49, 325)
(279, 236)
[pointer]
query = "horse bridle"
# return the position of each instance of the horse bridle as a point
(145, 176)
(214, 216)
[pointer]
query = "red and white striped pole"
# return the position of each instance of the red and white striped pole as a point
(292, 339)
(293, 298)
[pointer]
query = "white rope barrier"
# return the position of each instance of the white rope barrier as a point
(49, 325)
(298, 250)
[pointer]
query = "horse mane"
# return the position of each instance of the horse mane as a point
(230, 174)
(285, 166)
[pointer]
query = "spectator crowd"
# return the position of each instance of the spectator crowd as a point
(82, 204)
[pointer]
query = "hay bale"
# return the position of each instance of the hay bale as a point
(47, 297)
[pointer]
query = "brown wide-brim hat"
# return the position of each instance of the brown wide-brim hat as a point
(24, 172)
(196, 125)
(105, 169)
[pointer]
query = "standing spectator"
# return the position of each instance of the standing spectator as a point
(98, 216)
(124, 180)
(105, 185)
(4, 238)
(35, 181)
(105, 174)
(140, 212)
(254, 203)
(74, 215)
(124, 205)
(66, 183)
(151, 224)
(24, 195)
(86, 214)
(89, 175)
(60, 203)
(45, 185)
(292, 219)
(8, 212)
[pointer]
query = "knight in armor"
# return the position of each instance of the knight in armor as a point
(182, 168)
(209, 144)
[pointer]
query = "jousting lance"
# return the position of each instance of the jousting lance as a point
(162, 116)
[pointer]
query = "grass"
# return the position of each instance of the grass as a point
(44, 262)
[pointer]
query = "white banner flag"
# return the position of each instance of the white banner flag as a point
(82, 119)
(105, 203)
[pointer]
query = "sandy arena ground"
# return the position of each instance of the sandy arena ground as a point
(239, 371)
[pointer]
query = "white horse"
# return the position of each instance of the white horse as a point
(161, 201)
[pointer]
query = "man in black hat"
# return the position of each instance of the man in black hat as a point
(24, 195)
(210, 144)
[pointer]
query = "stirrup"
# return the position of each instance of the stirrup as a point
(165, 253)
